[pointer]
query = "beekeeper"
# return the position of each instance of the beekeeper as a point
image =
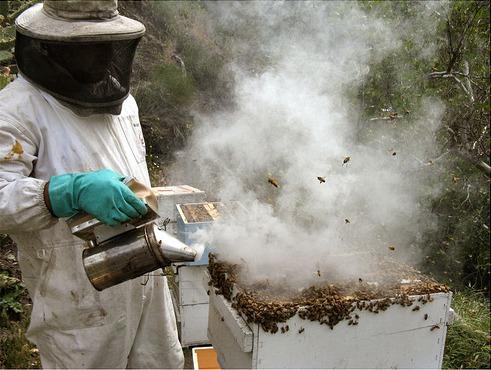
(69, 131)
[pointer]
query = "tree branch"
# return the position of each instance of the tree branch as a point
(444, 74)
(456, 52)
(483, 166)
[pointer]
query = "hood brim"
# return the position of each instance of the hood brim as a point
(36, 23)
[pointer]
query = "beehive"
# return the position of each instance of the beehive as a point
(169, 196)
(403, 327)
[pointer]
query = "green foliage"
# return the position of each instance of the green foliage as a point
(468, 342)
(16, 351)
(4, 80)
(172, 84)
(457, 252)
(11, 291)
(7, 37)
(190, 38)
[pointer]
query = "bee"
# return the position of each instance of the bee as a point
(394, 153)
(319, 273)
(392, 248)
(393, 115)
(222, 319)
(426, 316)
(346, 221)
(357, 317)
(346, 160)
(416, 308)
(360, 280)
(287, 328)
(273, 182)
(301, 330)
(321, 179)
(434, 327)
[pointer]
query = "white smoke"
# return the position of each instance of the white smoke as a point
(294, 120)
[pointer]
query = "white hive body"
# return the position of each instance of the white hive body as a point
(192, 296)
(395, 338)
(188, 294)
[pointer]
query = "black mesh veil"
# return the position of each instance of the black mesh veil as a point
(94, 76)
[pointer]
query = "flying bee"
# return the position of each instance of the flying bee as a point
(346, 221)
(392, 248)
(416, 308)
(394, 153)
(360, 280)
(434, 327)
(318, 273)
(393, 115)
(321, 179)
(426, 316)
(273, 182)
(301, 330)
(346, 160)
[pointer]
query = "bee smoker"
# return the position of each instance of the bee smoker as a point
(120, 253)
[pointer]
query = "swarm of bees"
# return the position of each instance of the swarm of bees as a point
(328, 304)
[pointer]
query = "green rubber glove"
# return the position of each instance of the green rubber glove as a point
(100, 193)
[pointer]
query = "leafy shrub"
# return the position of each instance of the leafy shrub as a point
(11, 291)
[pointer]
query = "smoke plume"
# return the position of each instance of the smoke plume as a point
(313, 190)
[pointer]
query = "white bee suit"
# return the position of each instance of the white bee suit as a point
(73, 325)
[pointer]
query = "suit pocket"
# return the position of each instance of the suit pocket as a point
(65, 295)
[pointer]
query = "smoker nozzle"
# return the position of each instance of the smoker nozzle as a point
(168, 249)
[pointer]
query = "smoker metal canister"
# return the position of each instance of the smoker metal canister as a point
(133, 254)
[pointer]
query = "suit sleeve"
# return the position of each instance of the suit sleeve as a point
(22, 206)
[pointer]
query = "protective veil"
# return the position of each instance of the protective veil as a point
(73, 325)
(81, 52)
(61, 69)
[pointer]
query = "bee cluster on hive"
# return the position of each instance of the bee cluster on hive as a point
(327, 303)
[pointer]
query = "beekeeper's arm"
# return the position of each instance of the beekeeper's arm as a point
(24, 201)
(22, 207)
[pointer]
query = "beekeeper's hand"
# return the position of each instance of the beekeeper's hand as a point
(100, 193)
